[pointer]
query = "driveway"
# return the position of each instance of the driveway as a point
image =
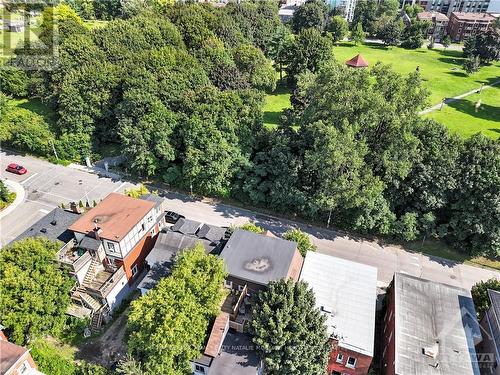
(48, 185)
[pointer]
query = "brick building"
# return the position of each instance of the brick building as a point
(439, 24)
(346, 293)
(489, 349)
(462, 25)
(429, 329)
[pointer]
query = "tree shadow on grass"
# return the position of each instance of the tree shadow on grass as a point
(451, 61)
(272, 117)
(457, 73)
(485, 112)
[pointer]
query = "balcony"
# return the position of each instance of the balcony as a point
(104, 281)
(72, 256)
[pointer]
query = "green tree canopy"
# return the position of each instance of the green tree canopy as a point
(289, 330)
(480, 295)
(338, 28)
(313, 13)
(35, 292)
(303, 240)
(168, 325)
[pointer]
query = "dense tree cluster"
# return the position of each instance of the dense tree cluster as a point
(181, 93)
(289, 331)
(480, 295)
(35, 292)
(168, 325)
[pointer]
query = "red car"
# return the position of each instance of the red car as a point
(16, 168)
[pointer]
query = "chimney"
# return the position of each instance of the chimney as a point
(97, 231)
(74, 207)
(431, 351)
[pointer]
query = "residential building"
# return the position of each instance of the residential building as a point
(253, 260)
(488, 350)
(53, 226)
(346, 293)
(429, 329)
(182, 235)
(15, 359)
(107, 253)
(462, 25)
(286, 12)
(447, 7)
(439, 24)
(346, 6)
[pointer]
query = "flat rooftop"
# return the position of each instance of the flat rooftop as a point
(346, 292)
(116, 215)
(258, 258)
(438, 316)
(464, 16)
(237, 356)
(430, 15)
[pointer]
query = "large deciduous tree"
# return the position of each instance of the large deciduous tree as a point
(313, 13)
(289, 330)
(480, 295)
(168, 325)
(35, 292)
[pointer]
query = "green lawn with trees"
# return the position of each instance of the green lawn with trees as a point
(441, 70)
(276, 102)
(465, 119)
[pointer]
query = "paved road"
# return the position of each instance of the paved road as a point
(48, 185)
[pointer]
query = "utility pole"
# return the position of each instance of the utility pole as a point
(54, 149)
(329, 217)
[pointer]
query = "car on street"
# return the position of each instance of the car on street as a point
(16, 168)
(172, 217)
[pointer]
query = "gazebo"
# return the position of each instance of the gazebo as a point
(357, 62)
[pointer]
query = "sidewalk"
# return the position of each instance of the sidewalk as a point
(17, 188)
(455, 98)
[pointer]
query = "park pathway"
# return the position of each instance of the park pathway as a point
(455, 98)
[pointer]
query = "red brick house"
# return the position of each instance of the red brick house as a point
(346, 293)
(15, 359)
(429, 329)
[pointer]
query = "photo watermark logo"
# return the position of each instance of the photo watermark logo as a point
(29, 35)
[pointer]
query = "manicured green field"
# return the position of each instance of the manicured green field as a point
(463, 118)
(442, 70)
(276, 102)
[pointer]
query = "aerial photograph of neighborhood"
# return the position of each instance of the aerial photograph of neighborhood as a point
(250, 187)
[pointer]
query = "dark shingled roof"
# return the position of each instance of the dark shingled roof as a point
(211, 232)
(90, 243)
(495, 303)
(257, 258)
(152, 198)
(186, 226)
(53, 226)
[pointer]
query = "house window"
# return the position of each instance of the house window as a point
(134, 270)
(228, 284)
(340, 358)
(143, 227)
(111, 246)
(153, 232)
(351, 362)
(199, 369)
(150, 219)
(240, 288)
(24, 368)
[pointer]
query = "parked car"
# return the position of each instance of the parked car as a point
(172, 217)
(16, 168)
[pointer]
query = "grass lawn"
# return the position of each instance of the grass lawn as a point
(461, 116)
(440, 249)
(276, 102)
(442, 70)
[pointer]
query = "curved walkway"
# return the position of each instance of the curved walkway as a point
(17, 188)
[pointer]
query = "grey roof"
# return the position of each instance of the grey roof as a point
(437, 316)
(186, 226)
(237, 356)
(495, 302)
(154, 275)
(211, 232)
(346, 292)
(257, 258)
(152, 198)
(53, 226)
(90, 243)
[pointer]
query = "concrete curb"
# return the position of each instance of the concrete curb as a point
(17, 188)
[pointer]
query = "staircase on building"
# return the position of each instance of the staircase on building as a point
(88, 300)
(91, 272)
(97, 318)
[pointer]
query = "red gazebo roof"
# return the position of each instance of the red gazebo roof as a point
(357, 62)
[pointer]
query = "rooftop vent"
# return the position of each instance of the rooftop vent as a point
(327, 309)
(53, 222)
(431, 351)
(43, 230)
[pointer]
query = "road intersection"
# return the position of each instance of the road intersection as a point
(48, 185)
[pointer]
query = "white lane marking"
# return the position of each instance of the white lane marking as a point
(119, 187)
(29, 178)
(43, 211)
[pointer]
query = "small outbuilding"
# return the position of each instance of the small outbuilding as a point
(357, 62)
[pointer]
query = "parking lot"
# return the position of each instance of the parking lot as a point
(47, 186)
